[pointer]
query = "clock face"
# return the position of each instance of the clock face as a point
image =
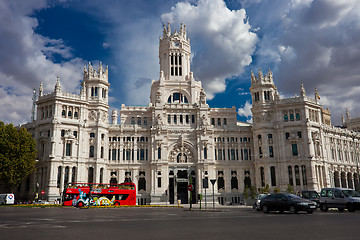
(176, 44)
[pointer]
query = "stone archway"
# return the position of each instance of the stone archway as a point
(181, 153)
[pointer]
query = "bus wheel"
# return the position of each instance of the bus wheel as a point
(80, 204)
(117, 204)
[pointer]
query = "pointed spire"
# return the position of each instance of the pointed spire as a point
(168, 29)
(269, 75)
(260, 74)
(347, 114)
(41, 90)
(342, 119)
(57, 85)
(253, 78)
(302, 90)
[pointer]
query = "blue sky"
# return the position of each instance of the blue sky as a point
(309, 41)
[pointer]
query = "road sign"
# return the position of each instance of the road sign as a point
(190, 187)
(42, 192)
(212, 181)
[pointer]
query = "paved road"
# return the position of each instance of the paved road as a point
(173, 223)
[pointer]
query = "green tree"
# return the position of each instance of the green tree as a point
(17, 155)
(253, 192)
(276, 190)
(246, 192)
(290, 189)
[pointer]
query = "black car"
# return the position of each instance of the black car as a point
(310, 195)
(286, 202)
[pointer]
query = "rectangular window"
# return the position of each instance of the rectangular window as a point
(169, 119)
(205, 153)
(212, 121)
(246, 157)
(175, 119)
(219, 121)
(159, 182)
(91, 151)
(271, 151)
(225, 121)
(114, 154)
(142, 154)
(68, 149)
(220, 154)
(232, 154)
(192, 118)
(128, 154)
(294, 149)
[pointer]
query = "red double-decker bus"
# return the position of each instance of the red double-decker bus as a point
(96, 194)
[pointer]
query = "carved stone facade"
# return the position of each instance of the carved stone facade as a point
(178, 139)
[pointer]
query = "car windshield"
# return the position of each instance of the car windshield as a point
(261, 196)
(351, 193)
(292, 196)
(311, 195)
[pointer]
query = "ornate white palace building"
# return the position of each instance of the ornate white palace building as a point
(178, 137)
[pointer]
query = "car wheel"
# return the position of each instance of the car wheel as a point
(310, 211)
(292, 209)
(323, 207)
(340, 209)
(265, 209)
(351, 208)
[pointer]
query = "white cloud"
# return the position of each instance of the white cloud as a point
(27, 60)
(222, 40)
(245, 111)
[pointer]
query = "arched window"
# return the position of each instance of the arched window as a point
(297, 116)
(303, 172)
(59, 177)
(291, 117)
(66, 177)
(142, 181)
(73, 176)
(69, 113)
(297, 175)
(101, 175)
(91, 151)
(273, 176)
(91, 175)
(286, 118)
(290, 175)
(262, 175)
(234, 181)
(159, 152)
(181, 158)
(221, 181)
(63, 113)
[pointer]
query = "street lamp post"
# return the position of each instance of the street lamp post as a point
(35, 182)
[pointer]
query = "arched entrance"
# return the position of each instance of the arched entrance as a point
(182, 173)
